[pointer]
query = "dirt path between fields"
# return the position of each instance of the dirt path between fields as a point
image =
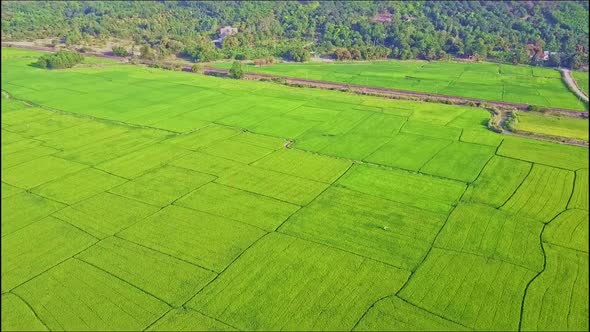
(566, 74)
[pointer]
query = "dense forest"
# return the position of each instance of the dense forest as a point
(510, 31)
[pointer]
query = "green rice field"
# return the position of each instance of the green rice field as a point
(552, 125)
(487, 81)
(582, 80)
(145, 199)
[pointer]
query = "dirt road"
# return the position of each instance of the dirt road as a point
(572, 84)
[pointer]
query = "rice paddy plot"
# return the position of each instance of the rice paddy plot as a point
(78, 186)
(380, 125)
(253, 209)
(206, 240)
(354, 146)
(274, 286)
(345, 121)
(24, 208)
(283, 126)
(551, 154)
(32, 250)
(17, 316)
(81, 135)
(140, 161)
(459, 161)
(111, 147)
(38, 171)
(105, 214)
(25, 155)
(579, 198)
(202, 137)
(207, 164)
(163, 185)
(20, 145)
(569, 229)
(307, 165)
(183, 319)
(394, 314)
(557, 299)
(238, 151)
(273, 184)
(543, 194)
(98, 295)
(263, 141)
(497, 182)
(407, 151)
(372, 227)
(417, 190)
(508, 238)
(312, 114)
(477, 292)
(8, 190)
(552, 125)
(167, 278)
(431, 130)
(481, 136)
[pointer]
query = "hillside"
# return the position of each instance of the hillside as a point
(294, 29)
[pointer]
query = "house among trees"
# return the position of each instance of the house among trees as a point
(227, 30)
(383, 17)
(546, 55)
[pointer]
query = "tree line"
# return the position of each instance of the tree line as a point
(347, 30)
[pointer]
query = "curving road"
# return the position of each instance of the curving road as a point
(572, 84)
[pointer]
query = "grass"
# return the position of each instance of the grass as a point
(581, 80)
(543, 194)
(480, 292)
(169, 201)
(497, 182)
(551, 125)
(552, 302)
(290, 267)
(488, 81)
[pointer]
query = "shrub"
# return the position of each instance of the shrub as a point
(512, 122)
(533, 108)
(59, 60)
(237, 70)
(197, 68)
(120, 51)
(297, 54)
(240, 57)
(470, 103)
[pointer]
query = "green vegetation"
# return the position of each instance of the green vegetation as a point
(169, 201)
(581, 80)
(486, 293)
(487, 81)
(552, 125)
(120, 51)
(506, 31)
(237, 70)
(60, 60)
(552, 301)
